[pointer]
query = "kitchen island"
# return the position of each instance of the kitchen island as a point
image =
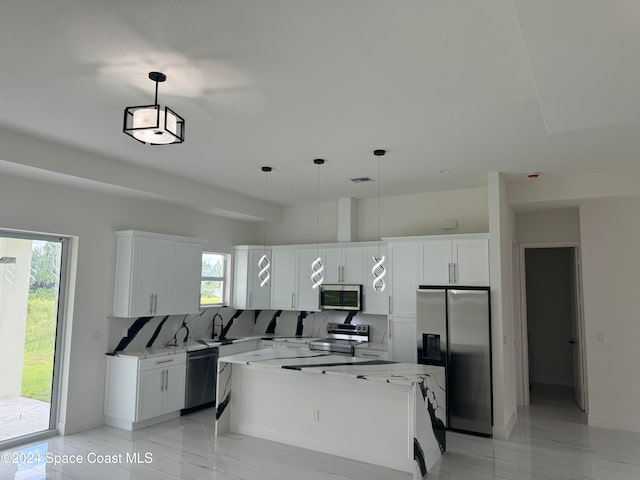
(381, 412)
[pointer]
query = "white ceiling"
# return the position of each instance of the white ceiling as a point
(466, 86)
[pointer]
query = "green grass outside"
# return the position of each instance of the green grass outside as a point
(37, 373)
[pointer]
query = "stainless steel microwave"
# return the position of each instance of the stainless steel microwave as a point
(340, 297)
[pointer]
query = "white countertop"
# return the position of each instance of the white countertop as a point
(325, 363)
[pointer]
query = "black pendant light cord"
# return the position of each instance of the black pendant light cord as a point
(318, 162)
(379, 153)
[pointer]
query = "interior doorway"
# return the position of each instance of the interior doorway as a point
(551, 346)
(32, 286)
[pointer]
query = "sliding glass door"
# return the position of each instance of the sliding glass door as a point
(32, 284)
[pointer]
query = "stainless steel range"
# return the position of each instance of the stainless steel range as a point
(341, 338)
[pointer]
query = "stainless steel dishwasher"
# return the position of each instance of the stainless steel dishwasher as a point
(202, 371)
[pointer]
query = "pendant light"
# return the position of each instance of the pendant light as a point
(378, 271)
(317, 266)
(264, 264)
(152, 124)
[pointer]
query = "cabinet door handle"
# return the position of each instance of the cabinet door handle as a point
(341, 274)
(151, 303)
(155, 303)
(162, 382)
(293, 300)
(166, 379)
(455, 273)
(450, 276)
(389, 297)
(164, 361)
(390, 329)
(250, 305)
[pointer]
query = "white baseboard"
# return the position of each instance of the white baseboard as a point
(75, 426)
(614, 423)
(402, 464)
(502, 433)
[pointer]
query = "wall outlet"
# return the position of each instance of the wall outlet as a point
(316, 415)
(600, 337)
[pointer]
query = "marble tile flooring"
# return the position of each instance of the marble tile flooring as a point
(550, 442)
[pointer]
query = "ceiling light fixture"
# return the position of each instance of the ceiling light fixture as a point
(264, 264)
(152, 124)
(378, 271)
(317, 266)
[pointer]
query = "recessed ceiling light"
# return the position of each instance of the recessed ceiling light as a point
(445, 171)
(294, 189)
(362, 179)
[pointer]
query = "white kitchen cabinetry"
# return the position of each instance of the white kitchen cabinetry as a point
(306, 297)
(140, 392)
(344, 264)
(403, 276)
(375, 302)
(283, 276)
(156, 274)
(403, 346)
(368, 353)
(247, 292)
(291, 287)
(460, 260)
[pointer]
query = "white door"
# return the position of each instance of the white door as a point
(375, 302)
(259, 297)
(283, 276)
(165, 301)
(435, 262)
(143, 277)
(307, 297)
(150, 394)
(352, 265)
(188, 268)
(402, 260)
(174, 385)
(471, 266)
(403, 340)
(332, 261)
(576, 328)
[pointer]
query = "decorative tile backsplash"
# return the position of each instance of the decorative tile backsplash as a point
(135, 334)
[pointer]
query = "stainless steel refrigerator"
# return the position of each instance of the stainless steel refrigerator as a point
(454, 330)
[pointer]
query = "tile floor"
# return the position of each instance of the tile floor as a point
(550, 442)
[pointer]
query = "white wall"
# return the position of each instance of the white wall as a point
(404, 215)
(610, 235)
(558, 225)
(14, 296)
(502, 235)
(91, 219)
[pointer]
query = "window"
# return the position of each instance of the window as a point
(213, 282)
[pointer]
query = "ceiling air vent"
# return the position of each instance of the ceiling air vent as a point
(361, 179)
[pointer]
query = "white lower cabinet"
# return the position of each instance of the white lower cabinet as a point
(364, 352)
(403, 346)
(139, 391)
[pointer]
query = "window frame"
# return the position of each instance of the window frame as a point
(224, 279)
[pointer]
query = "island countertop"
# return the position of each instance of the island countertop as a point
(326, 363)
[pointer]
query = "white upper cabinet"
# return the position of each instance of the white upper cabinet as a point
(306, 298)
(156, 274)
(375, 302)
(247, 292)
(403, 278)
(283, 278)
(292, 286)
(343, 264)
(462, 260)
